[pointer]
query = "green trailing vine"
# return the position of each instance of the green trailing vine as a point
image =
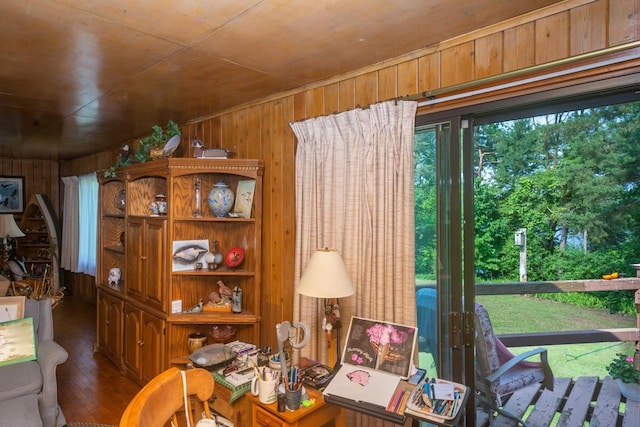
(157, 139)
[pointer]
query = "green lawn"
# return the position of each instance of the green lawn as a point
(520, 314)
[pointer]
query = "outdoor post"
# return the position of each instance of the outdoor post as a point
(521, 240)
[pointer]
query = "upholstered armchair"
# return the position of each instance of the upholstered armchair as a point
(499, 373)
(29, 390)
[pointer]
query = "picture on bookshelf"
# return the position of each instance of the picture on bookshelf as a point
(244, 198)
(186, 253)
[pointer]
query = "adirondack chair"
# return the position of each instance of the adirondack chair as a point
(499, 372)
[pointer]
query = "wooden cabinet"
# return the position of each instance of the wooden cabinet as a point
(146, 245)
(40, 246)
(109, 334)
(144, 344)
(143, 245)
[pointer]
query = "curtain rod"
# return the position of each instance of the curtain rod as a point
(432, 95)
(429, 97)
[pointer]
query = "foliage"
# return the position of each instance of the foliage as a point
(569, 178)
(157, 139)
(622, 368)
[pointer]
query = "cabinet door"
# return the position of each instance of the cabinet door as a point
(109, 333)
(153, 330)
(132, 340)
(154, 263)
(135, 259)
(114, 328)
(103, 321)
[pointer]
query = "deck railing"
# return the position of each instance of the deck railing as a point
(567, 337)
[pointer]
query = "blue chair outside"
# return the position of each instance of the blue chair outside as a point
(427, 313)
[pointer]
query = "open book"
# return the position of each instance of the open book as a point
(376, 356)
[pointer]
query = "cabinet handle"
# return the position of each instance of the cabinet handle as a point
(140, 343)
(142, 257)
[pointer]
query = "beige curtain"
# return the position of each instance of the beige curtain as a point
(354, 193)
(70, 220)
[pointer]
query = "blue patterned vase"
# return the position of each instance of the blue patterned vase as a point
(220, 199)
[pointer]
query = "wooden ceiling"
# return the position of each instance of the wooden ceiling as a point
(81, 76)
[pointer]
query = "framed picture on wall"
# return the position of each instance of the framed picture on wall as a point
(11, 194)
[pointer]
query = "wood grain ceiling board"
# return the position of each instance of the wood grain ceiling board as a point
(64, 58)
(81, 76)
(181, 21)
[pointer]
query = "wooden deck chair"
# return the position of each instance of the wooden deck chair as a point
(499, 372)
(158, 403)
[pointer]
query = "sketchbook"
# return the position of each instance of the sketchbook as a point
(376, 357)
(17, 341)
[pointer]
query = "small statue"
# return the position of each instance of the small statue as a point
(114, 276)
(196, 308)
(225, 292)
(214, 298)
(236, 306)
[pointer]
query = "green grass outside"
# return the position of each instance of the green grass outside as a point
(522, 314)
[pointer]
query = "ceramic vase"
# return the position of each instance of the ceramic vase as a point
(220, 199)
(629, 390)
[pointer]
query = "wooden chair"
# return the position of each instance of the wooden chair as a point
(499, 373)
(158, 403)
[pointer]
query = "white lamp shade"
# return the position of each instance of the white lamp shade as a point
(8, 226)
(325, 276)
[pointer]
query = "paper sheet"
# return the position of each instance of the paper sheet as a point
(363, 385)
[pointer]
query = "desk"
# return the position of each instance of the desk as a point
(319, 414)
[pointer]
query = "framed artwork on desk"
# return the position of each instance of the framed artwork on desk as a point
(11, 308)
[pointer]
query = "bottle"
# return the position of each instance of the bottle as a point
(213, 257)
(197, 187)
(236, 304)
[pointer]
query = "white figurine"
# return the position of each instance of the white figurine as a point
(114, 276)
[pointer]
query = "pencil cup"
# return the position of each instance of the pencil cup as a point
(292, 398)
(264, 389)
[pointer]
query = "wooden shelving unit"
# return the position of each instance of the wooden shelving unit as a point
(41, 245)
(149, 336)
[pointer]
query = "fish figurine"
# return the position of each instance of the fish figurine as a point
(189, 254)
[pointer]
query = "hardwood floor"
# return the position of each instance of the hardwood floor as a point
(90, 388)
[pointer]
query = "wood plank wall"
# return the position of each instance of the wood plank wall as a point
(261, 129)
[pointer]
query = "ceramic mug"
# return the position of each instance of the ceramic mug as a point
(266, 390)
(195, 341)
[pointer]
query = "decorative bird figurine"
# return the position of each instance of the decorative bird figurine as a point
(196, 308)
(123, 155)
(198, 147)
(225, 291)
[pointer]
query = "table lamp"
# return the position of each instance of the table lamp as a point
(325, 276)
(9, 230)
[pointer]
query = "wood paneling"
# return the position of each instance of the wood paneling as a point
(552, 38)
(624, 21)
(589, 27)
(519, 47)
(261, 128)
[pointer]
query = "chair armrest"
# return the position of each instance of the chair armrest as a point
(517, 359)
(50, 355)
